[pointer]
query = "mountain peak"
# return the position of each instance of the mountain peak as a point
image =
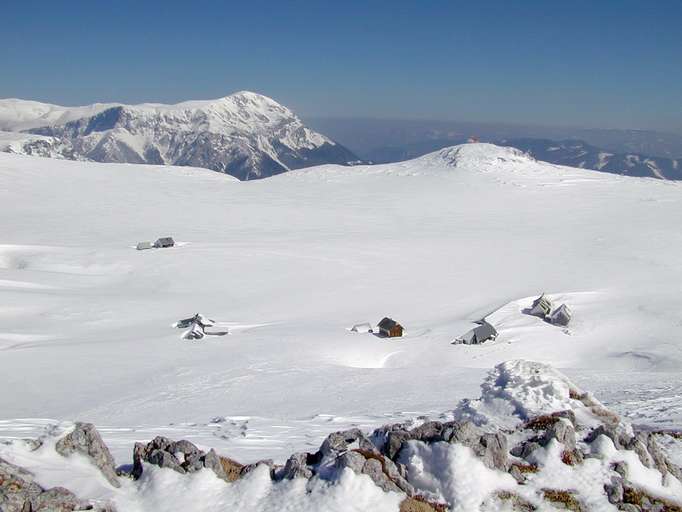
(245, 134)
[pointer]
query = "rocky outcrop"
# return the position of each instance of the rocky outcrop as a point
(85, 440)
(20, 493)
(183, 457)
(418, 462)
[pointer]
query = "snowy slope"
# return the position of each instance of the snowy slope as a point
(244, 134)
(289, 263)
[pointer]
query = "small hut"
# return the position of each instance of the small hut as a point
(560, 316)
(479, 334)
(363, 327)
(165, 241)
(390, 328)
(541, 307)
(144, 245)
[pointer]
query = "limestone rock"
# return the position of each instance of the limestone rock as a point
(85, 439)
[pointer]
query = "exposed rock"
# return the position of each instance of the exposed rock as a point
(493, 451)
(374, 469)
(20, 493)
(382, 470)
(614, 490)
(248, 468)
(164, 452)
(85, 439)
(339, 442)
(296, 467)
(563, 431)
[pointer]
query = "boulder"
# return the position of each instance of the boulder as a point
(382, 470)
(563, 431)
(20, 493)
(85, 440)
(296, 466)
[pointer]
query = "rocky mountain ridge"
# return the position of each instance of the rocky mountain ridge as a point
(245, 134)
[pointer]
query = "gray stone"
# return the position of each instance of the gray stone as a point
(525, 450)
(339, 442)
(165, 459)
(184, 447)
(20, 493)
(85, 439)
(394, 443)
(351, 460)
(269, 463)
(608, 431)
(638, 444)
(517, 474)
(614, 490)
(493, 451)
(212, 462)
(374, 469)
(429, 432)
(563, 432)
(465, 433)
(296, 467)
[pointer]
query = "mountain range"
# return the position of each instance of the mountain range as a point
(246, 135)
(251, 136)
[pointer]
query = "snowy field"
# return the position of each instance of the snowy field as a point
(289, 263)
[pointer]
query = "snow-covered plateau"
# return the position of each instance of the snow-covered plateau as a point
(287, 265)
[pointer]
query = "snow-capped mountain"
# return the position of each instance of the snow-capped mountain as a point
(245, 134)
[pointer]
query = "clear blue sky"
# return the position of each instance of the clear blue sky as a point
(593, 63)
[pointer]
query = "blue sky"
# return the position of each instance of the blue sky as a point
(594, 64)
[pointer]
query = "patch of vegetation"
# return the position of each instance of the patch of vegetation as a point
(646, 501)
(525, 468)
(421, 504)
(517, 502)
(563, 499)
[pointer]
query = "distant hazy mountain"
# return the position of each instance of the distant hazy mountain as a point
(576, 153)
(246, 135)
(383, 139)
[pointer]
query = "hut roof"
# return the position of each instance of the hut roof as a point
(388, 323)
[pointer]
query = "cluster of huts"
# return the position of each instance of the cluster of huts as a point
(165, 241)
(542, 307)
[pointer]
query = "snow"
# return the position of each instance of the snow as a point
(453, 474)
(296, 259)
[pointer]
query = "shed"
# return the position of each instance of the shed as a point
(561, 315)
(390, 328)
(541, 307)
(364, 327)
(144, 245)
(165, 241)
(477, 335)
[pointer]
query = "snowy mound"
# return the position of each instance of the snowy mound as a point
(476, 155)
(516, 391)
(244, 134)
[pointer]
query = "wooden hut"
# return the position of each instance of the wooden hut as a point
(390, 328)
